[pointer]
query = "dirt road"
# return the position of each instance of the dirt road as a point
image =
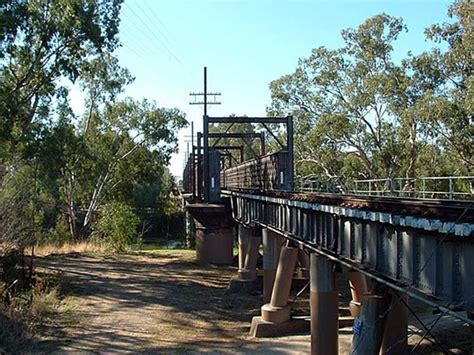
(161, 302)
(152, 302)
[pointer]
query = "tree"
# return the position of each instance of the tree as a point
(358, 114)
(127, 144)
(342, 102)
(446, 84)
(41, 42)
(78, 163)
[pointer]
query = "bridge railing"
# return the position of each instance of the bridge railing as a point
(268, 172)
(446, 187)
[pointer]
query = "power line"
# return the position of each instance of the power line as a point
(165, 37)
(131, 50)
(136, 37)
(159, 21)
(150, 31)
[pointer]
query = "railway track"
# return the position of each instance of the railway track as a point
(452, 210)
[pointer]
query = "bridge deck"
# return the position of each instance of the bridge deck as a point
(425, 247)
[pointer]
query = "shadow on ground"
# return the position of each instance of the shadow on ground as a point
(146, 302)
(165, 302)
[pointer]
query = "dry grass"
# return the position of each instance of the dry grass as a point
(81, 247)
(27, 314)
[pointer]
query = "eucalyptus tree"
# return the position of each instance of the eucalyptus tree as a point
(41, 42)
(445, 80)
(342, 100)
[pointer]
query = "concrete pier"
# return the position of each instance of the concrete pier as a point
(249, 271)
(369, 327)
(358, 286)
(303, 260)
(278, 310)
(395, 336)
(243, 235)
(214, 237)
(271, 252)
(324, 307)
(275, 319)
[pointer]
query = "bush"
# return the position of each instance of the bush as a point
(116, 227)
(57, 236)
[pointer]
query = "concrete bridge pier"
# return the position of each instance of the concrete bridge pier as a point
(214, 233)
(395, 336)
(249, 241)
(303, 259)
(249, 271)
(369, 327)
(271, 252)
(243, 235)
(278, 310)
(358, 286)
(324, 307)
(275, 319)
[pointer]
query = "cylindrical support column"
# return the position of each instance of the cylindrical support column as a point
(470, 315)
(278, 310)
(271, 252)
(324, 306)
(244, 237)
(358, 286)
(249, 272)
(369, 326)
(395, 337)
(303, 259)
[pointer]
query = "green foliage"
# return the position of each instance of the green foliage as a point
(42, 42)
(358, 114)
(116, 226)
(56, 236)
(56, 169)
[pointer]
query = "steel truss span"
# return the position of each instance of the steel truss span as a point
(431, 259)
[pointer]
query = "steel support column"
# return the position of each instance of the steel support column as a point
(358, 286)
(324, 306)
(271, 251)
(370, 324)
(278, 310)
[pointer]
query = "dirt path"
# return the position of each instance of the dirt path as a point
(161, 302)
(152, 302)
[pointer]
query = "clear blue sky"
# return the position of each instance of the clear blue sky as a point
(245, 45)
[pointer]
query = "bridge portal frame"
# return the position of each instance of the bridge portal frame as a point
(265, 121)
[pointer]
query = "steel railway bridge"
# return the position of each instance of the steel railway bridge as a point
(394, 247)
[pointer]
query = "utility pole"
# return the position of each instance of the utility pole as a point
(205, 130)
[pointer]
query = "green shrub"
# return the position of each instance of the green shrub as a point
(57, 236)
(116, 227)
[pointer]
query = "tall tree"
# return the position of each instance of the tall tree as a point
(342, 99)
(41, 42)
(445, 79)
